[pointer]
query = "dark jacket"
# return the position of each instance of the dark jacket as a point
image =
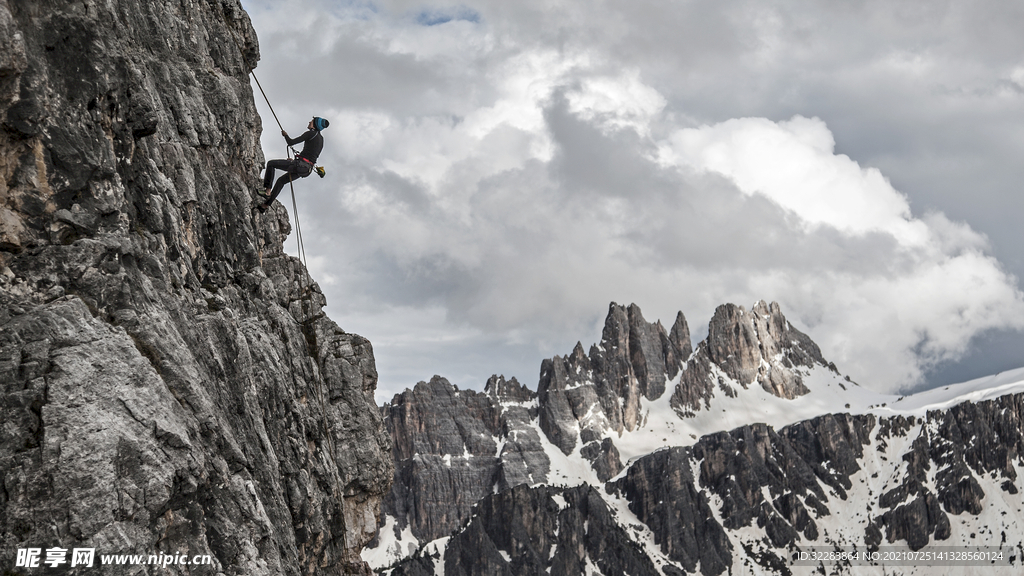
(314, 144)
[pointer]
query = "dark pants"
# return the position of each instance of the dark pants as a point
(293, 169)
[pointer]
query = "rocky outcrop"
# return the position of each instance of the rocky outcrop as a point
(169, 382)
(522, 454)
(584, 397)
(664, 494)
(957, 448)
(744, 348)
(453, 447)
(543, 530)
(739, 469)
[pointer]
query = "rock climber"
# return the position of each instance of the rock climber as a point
(299, 167)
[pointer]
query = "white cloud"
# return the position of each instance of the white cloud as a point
(1017, 76)
(935, 289)
(617, 102)
(495, 181)
(795, 165)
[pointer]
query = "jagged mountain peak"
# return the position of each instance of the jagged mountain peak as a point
(743, 348)
(508, 390)
(584, 398)
(643, 349)
(437, 382)
(612, 390)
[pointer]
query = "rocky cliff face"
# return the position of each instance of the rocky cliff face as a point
(537, 531)
(453, 447)
(168, 379)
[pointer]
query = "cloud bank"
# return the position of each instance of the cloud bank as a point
(499, 173)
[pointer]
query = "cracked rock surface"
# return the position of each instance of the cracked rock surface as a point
(169, 382)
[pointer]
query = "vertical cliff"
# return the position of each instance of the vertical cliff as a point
(168, 379)
(592, 395)
(452, 448)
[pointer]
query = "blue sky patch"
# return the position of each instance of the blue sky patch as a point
(431, 17)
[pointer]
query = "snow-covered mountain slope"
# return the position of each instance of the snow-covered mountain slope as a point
(748, 499)
(828, 393)
(662, 426)
(977, 390)
(767, 447)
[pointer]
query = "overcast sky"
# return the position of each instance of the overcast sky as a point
(499, 172)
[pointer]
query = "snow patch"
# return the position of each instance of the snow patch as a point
(390, 548)
(560, 501)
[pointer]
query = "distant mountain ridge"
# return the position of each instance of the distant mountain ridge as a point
(703, 460)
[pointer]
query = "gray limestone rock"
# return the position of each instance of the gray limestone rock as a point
(543, 530)
(744, 348)
(663, 493)
(453, 447)
(585, 397)
(169, 382)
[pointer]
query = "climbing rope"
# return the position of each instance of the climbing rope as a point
(298, 228)
(289, 151)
